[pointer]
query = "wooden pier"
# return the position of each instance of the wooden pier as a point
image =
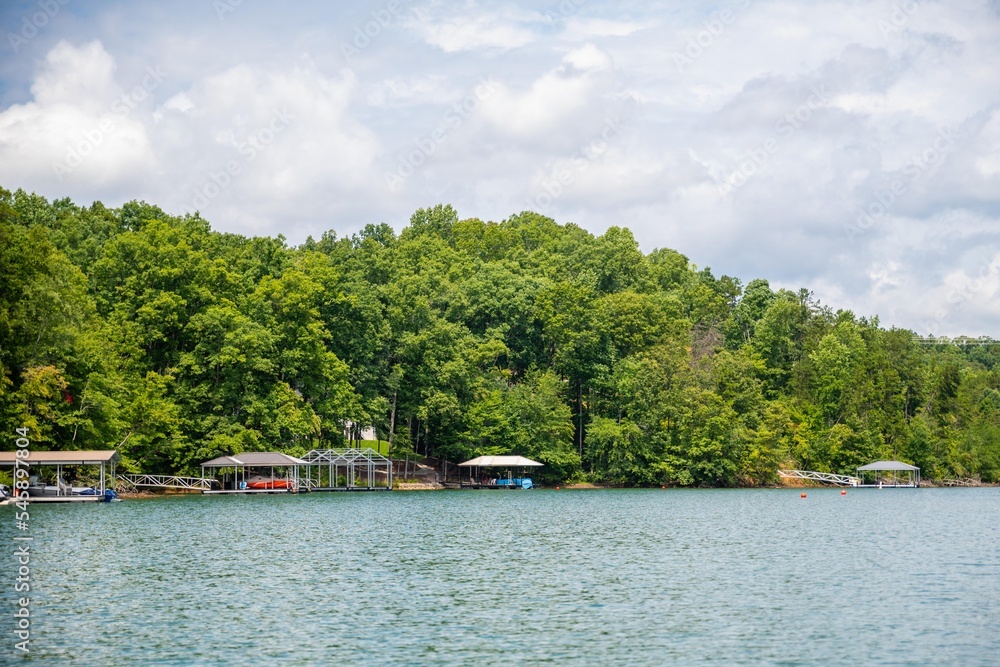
(229, 492)
(65, 499)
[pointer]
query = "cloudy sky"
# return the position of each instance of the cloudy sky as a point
(849, 147)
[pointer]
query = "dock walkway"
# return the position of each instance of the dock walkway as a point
(825, 477)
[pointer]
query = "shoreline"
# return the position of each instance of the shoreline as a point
(577, 486)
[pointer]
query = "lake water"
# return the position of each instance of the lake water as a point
(570, 577)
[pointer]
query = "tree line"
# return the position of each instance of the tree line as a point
(134, 329)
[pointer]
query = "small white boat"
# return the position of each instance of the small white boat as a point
(39, 489)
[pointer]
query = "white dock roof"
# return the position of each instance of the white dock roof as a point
(251, 459)
(500, 462)
(888, 465)
(80, 457)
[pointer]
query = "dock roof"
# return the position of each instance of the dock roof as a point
(253, 459)
(80, 457)
(888, 465)
(500, 462)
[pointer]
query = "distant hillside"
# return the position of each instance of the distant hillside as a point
(136, 328)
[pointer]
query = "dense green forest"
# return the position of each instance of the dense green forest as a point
(134, 329)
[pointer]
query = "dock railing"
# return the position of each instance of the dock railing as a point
(825, 477)
(167, 482)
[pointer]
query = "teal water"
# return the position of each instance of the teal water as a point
(589, 577)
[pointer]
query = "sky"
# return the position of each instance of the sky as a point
(851, 147)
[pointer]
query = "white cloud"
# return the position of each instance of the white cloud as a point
(239, 144)
(179, 102)
(80, 76)
(570, 97)
(988, 161)
(81, 130)
(558, 73)
(288, 133)
(474, 30)
(585, 28)
(404, 91)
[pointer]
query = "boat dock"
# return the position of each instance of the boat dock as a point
(877, 475)
(319, 470)
(889, 475)
(60, 492)
(348, 469)
(481, 475)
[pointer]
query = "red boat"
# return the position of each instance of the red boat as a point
(258, 482)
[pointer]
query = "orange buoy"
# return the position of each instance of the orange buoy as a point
(663, 486)
(843, 492)
(803, 495)
(557, 488)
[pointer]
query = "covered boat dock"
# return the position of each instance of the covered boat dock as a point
(487, 479)
(61, 492)
(254, 472)
(889, 474)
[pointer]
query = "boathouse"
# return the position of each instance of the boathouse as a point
(890, 474)
(254, 472)
(483, 473)
(60, 491)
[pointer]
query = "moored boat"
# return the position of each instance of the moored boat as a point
(36, 487)
(261, 482)
(39, 489)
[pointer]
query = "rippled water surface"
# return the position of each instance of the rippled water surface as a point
(630, 577)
